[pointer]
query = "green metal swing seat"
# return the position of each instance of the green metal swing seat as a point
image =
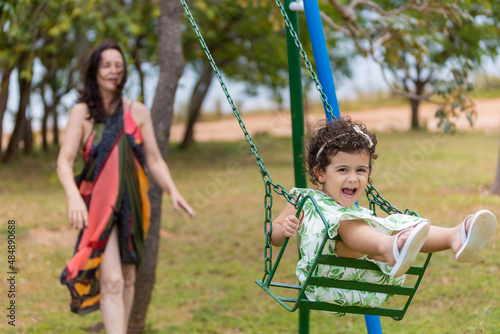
(293, 303)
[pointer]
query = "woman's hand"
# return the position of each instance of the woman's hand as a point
(77, 211)
(178, 200)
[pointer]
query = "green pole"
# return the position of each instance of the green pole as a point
(297, 115)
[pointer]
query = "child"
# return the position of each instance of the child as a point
(339, 160)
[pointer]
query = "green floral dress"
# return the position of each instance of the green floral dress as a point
(311, 235)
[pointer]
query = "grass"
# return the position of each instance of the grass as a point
(207, 265)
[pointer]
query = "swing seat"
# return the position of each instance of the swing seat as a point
(301, 301)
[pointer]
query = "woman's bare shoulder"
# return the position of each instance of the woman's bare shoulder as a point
(140, 113)
(80, 111)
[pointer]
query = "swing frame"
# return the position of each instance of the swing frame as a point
(374, 198)
(301, 301)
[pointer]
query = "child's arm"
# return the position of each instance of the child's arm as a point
(285, 225)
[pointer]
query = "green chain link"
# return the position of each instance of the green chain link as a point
(266, 176)
(375, 199)
(303, 54)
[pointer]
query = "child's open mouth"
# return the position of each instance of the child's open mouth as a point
(349, 192)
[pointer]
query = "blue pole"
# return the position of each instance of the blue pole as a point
(325, 76)
(373, 325)
(321, 57)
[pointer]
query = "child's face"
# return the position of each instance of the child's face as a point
(345, 178)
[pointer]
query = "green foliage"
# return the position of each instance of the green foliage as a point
(58, 34)
(426, 49)
(247, 41)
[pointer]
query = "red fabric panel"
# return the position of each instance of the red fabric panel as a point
(103, 200)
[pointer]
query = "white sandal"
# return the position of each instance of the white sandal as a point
(481, 230)
(410, 249)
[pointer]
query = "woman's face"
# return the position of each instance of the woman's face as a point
(110, 72)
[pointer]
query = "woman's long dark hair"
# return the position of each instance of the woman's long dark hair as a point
(90, 93)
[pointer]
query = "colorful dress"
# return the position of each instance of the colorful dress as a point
(114, 186)
(311, 235)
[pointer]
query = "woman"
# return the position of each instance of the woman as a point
(108, 202)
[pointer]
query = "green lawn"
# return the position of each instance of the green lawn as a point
(207, 265)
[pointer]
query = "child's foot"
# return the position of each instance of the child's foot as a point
(476, 231)
(409, 251)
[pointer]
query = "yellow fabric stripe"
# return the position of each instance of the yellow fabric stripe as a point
(143, 190)
(89, 302)
(82, 289)
(93, 263)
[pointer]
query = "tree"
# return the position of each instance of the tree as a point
(34, 29)
(233, 32)
(420, 45)
(17, 53)
(247, 41)
(171, 63)
(4, 96)
(7, 60)
(21, 127)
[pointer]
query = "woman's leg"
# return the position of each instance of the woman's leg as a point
(129, 274)
(111, 287)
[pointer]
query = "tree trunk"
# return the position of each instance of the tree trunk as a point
(171, 62)
(197, 96)
(138, 64)
(20, 126)
(4, 96)
(415, 104)
(47, 111)
(55, 128)
(45, 118)
(27, 136)
(496, 185)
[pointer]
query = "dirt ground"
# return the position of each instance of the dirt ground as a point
(379, 119)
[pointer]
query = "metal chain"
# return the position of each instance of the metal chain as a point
(270, 186)
(375, 199)
(372, 193)
(268, 249)
(303, 54)
(266, 176)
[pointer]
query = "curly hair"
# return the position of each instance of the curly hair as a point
(332, 137)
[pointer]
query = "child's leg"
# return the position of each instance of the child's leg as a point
(466, 239)
(442, 238)
(398, 250)
(359, 238)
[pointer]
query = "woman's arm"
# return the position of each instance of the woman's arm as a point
(156, 164)
(285, 225)
(77, 210)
